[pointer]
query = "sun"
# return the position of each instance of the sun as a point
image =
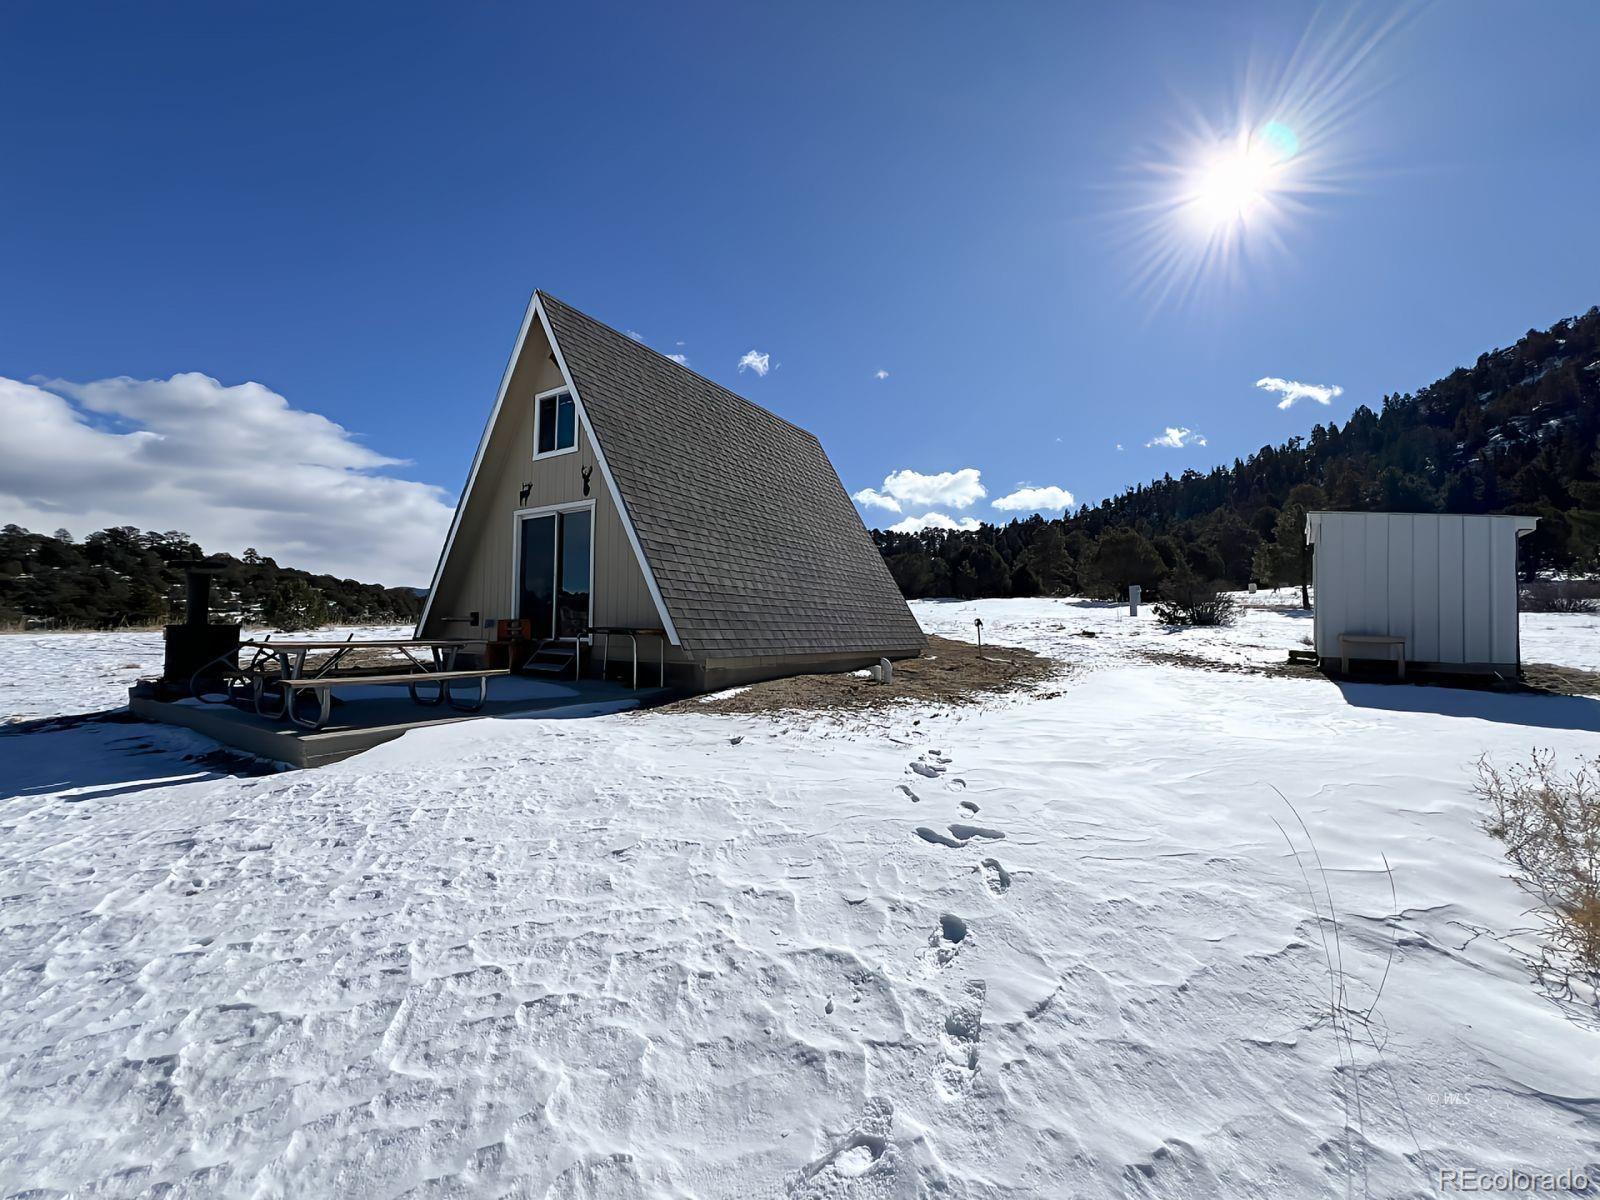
(1240, 179)
(1226, 192)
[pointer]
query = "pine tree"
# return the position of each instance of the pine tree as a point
(1049, 562)
(296, 605)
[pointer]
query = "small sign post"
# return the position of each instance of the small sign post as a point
(1133, 599)
(978, 621)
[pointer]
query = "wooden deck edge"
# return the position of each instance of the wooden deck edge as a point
(304, 750)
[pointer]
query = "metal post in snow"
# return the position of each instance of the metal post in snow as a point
(978, 621)
(1133, 599)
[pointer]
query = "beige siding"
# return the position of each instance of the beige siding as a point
(478, 576)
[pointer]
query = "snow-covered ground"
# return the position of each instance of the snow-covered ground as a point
(53, 674)
(1041, 947)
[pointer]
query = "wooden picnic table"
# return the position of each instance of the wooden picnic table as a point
(321, 689)
(290, 659)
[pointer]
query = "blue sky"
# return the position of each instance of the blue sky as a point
(349, 206)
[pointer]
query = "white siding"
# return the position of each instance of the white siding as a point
(1445, 583)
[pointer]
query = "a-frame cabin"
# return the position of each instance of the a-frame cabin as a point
(615, 489)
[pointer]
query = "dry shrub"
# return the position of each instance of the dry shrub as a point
(1186, 599)
(1548, 596)
(1550, 824)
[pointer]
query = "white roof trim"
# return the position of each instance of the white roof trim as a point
(537, 309)
(605, 473)
(1522, 524)
(477, 461)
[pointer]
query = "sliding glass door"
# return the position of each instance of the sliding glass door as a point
(572, 578)
(538, 584)
(555, 557)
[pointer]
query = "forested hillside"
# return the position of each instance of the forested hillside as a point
(1518, 431)
(125, 577)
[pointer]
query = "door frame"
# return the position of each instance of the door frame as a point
(517, 518)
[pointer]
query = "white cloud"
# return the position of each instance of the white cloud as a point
(1036, 499)
(1119, 444)
(1175, 437)
(636, 336)
(681, 359)
(234, 466)
(880, 373)
(904, 490)
(1292, 390)
(869, 498)
(933, 520)
(755, 360)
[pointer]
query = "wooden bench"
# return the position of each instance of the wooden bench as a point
(323, 687)
(1346, 640)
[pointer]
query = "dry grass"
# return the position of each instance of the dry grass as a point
(1562, 681)
(1198, 662)
(950, 672)
(1549, 821)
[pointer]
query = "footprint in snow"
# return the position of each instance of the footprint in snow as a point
(906, 789)
(969, 806)
(966, 832)
(927, 770)
(959, 835)
(864, 1150)
(995, 877)
(962, 1032)
(947, 939)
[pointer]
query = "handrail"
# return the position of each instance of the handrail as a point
(633, 634)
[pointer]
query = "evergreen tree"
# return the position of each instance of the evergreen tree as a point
(1122, 557)
(1287, 558)
(1048, 561)
(296, 605)
(126, 576)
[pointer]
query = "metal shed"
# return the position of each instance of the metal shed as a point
(1445, 583)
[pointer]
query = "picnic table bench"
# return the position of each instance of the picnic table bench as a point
(1389, 642)
(322, 687)
(274, 692)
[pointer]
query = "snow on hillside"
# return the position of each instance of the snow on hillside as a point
(1040, 947)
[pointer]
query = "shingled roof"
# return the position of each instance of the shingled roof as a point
(754, 545)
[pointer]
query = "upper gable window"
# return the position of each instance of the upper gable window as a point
(555, 427)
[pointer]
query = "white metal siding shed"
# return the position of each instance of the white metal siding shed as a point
(1447, 583)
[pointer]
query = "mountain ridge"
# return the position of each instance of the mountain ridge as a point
(1517, 431)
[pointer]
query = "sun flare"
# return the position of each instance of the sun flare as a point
(1213, 204)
